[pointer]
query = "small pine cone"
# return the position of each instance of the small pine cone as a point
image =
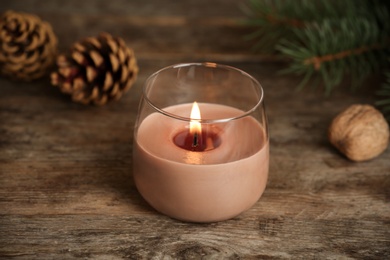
(99, 69)
(27, 46)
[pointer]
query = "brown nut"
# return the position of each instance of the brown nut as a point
(360, 132)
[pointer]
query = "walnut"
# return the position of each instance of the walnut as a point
(360, 132)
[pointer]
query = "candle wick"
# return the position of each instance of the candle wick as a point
(195, 142)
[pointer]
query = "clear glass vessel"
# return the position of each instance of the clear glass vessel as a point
(207, 163)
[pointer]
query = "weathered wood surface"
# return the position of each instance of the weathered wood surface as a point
(66, 189)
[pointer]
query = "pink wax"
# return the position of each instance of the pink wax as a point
(208, 186)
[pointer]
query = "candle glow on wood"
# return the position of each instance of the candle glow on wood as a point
(197, 139)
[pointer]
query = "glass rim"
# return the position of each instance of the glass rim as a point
(209, 65)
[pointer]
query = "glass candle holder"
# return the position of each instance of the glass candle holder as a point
(201, 145)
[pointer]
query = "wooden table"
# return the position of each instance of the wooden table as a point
(66, 188)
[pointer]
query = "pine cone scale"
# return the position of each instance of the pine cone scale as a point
(78, 57)
(77, 46)
(97, 58)
(30, 69)
(113, 46)
(29, 60)
(95, 42)
(124, 74)
(108, 81)
(9, 48)
(114, 62)
(33, 44)
(78, 84)
(114, 90)
(20, 39)
(91, 74)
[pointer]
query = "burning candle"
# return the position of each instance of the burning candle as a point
(195, 139)
(200, 162)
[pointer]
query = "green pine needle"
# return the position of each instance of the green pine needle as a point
(335, 49)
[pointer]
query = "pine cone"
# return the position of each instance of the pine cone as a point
(27, 46)
(98, 70)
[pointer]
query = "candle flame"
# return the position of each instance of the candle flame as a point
(195, 126)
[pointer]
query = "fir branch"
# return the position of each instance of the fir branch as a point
(333, 48)
(318, 60)
(329, 38)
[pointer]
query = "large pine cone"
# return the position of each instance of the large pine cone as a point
(27, 46)
(99, 69)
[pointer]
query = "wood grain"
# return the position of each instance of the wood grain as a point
(66, 188)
